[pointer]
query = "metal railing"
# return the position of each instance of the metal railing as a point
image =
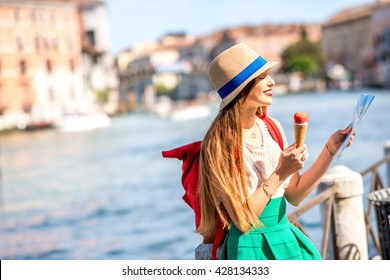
(328, 197)
(376, 183)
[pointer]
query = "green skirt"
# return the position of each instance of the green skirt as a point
(278, 239)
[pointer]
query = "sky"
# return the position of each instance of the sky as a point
(134, 21)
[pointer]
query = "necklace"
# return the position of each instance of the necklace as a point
(251, 131)
(252, 134)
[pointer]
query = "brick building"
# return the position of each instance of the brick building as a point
(45, 59)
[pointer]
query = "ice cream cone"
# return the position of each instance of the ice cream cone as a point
(300, 133)
(300, 127)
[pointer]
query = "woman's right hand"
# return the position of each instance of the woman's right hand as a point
(291, 160)
(337, 138)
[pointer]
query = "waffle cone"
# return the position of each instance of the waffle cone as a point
(300, 133)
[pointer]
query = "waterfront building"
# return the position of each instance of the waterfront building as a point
(99, 74)
(355, 40)
(381, 35)
(169, 67)
(179, 62)
(271, 40)
(45, 60)
(347, 42)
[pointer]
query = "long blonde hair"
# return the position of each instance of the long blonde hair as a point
(222, 171)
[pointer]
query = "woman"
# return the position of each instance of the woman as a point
(245, 177)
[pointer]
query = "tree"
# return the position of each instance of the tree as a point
(304, 56)
(301, 63)
(102, 96)
(161, 89)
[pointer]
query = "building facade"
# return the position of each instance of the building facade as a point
(40, 57)
(99, 75)
(381, 35)
(356, 39)
(182, 64)
(45, 70)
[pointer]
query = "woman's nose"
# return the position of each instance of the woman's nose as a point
(270, 81)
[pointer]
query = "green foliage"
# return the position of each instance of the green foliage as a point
(301, 63)
(161, 89)
(304, 56)
(102, 96)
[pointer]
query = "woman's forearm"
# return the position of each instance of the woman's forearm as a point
(309, 180)
(265, 190)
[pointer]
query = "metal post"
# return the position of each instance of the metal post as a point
(387, 153)
(349, 227)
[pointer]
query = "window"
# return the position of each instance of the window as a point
(22, 67)
(95, 59)
(49, 66)
(19, 42)
(27, 104)
(90, 37)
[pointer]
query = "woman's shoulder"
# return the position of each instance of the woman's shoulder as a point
(275, 121)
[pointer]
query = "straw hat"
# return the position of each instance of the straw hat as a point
(233, 69)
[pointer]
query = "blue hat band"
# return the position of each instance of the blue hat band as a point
(241, 77)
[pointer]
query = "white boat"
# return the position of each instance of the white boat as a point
(190, 112)
(82, 122)
(163, 107)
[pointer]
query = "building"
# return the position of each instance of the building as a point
(381, 35)
(99, 75)
(355, 39)
(40, 57)
(179, 64)
(270, 40)
(149, 69)
(46, 66)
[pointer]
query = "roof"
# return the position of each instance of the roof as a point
(351, 14)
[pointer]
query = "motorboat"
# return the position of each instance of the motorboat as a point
(82, 122)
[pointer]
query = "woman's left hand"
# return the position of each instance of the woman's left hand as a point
(337, 138)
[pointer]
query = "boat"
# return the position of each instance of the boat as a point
(190, 112)
(163, 107)
(82, 122)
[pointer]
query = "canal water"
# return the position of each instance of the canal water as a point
(109, 194)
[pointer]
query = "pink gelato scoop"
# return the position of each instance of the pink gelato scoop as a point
(301, 117)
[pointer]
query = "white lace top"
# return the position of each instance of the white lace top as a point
(261, 162)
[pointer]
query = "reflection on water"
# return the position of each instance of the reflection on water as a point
(108, 193)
